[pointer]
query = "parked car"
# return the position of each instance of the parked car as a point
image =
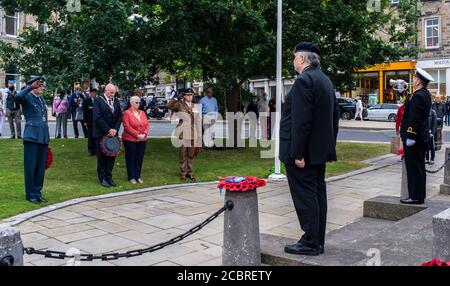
(157, 108)
(347, 108)
(382, 112)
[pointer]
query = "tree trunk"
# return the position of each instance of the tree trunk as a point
(233, 106)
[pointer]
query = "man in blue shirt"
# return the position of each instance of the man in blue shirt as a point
(35, 138)
(209, 111)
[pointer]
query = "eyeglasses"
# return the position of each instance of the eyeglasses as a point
(136, 102)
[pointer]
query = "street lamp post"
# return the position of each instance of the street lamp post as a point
(277, 175)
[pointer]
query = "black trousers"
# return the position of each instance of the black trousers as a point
(75, 126)
(309, 194)
(105, 164)
(35, 157)
(134, 157)
(92, 145)
(415, 170)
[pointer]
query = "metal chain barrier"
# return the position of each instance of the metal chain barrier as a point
(114, 256)
(438, 170)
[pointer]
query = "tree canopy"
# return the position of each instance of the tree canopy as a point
(127, 41)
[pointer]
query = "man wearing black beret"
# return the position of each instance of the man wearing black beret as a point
(415, 136)
(307, 143)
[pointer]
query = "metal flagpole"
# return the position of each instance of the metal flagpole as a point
(277, 175)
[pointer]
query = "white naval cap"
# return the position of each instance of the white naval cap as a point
(423, 75)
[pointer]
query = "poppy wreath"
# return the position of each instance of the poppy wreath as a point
(436, 262)
(400, 152)
(246, 185)
(49, 160)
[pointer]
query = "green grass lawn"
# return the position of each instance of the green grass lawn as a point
(73, 173)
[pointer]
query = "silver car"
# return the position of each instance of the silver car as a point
(382, 112)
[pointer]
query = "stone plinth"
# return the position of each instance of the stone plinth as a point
(11, 248)
(389, 208)
(441, 239)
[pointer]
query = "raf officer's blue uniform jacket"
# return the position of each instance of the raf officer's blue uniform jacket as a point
(34, 109)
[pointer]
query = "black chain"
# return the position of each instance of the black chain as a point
(442, 167)
(132, 253)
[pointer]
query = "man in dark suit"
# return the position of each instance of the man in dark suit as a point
(88, 104)
(415, 136)
(307, 142)
(35, 138)
(107, 118)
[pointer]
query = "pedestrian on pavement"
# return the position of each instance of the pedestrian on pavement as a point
(252, 109)
(188, 131)
(307, 143)
(61, 111)
(210, 111)
(76, 110)
(13, 112)
(88, 104)
(359, 109)
(134, 136)
(415, 135)
(447, 112)
(438, 106)
(107, 118)
(263, 108)
(272, 110)
(432, 123)
(36, 138)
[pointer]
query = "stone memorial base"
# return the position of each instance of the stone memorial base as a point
(390, 208)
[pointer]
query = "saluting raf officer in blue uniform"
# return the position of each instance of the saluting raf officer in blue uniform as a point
(35, 138)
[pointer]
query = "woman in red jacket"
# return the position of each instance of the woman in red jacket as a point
(134, 138)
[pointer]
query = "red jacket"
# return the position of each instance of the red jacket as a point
(132, 127)
(399, 117)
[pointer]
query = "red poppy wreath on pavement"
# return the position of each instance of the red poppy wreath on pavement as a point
(436, 262)
(49, 160)
(240, 184)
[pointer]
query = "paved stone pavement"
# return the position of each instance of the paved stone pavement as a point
(141, 220)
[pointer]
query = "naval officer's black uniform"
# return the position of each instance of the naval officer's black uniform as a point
(307, 131)
(35, 140)
(415, 127)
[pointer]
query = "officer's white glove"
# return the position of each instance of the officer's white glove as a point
(410, 142)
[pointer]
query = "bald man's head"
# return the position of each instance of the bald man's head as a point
(110, 90)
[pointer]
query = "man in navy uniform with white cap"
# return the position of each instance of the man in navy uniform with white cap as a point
(415, 135)
(307, 143)
(35, 138)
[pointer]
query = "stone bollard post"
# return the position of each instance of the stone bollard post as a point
(404, 194)
(441, 239)
(241, 244)
(445, 187)
(11, 248)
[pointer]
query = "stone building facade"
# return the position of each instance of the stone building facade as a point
(434, 41)
(11, 25)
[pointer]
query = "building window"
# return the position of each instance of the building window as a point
(432, 32)
(11, 24)
(12, 75)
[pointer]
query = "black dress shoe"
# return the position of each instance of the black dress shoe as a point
(112, 183)
(301, 249)
(410, 201)
(42, 200)
(105, 184)
(34, 200)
